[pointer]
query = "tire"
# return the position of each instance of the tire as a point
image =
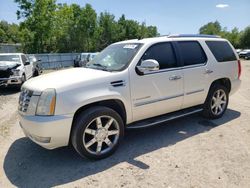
(211, 107)
(23, 79)
(36, 73)
(97, 132)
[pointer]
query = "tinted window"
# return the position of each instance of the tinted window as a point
(163, 53)
(192, 53)
(222, 50)
(24, 59)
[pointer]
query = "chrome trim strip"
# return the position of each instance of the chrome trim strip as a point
(165, 120)
(157, 100)
(146, 97)
(196, 91)
(177, 68)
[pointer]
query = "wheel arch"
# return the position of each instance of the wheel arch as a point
(222, 81)
(115, 104)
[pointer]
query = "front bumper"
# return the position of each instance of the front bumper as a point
(49, 132)
(11, 81)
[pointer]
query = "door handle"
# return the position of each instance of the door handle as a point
(172, 78)
(208, 71)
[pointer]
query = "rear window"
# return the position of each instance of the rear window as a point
(221, 50)
(192, 53)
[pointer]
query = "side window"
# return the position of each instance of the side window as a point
(24, 59)
(192, 53)
(221, 50)
(163, 53)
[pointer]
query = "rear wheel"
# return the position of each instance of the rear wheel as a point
(97, 132)
(216, 102)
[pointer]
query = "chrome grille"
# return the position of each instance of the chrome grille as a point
(24, 100)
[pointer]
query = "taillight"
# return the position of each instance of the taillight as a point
(239, 69)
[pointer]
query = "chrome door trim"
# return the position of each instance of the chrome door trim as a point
(157, 100)
(195, 91)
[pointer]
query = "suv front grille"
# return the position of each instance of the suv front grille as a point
(24, 100)
(5, 73)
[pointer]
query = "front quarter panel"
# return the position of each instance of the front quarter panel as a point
(82, 94)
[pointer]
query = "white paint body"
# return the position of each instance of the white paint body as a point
(143, 96)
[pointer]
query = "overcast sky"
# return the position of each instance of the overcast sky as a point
(170, 16)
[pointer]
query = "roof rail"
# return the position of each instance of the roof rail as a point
(193, 35)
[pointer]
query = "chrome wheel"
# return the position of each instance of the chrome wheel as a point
(219, 102)
(101, 135)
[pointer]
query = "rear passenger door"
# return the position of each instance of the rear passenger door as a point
(196, 72)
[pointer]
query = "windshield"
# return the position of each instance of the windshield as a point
(83, 56)
(10, 58)
(115, 57)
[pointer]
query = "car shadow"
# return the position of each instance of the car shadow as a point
(28, 165)
(9, 90)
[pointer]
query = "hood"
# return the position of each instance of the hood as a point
(66, 79)
(4, 65)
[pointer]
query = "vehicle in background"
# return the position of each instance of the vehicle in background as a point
(238, 51)
(247, 56)
(36, 67)
(130, 84)
(82, 59)
(15, 69)
(244, 53)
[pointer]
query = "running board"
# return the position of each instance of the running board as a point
(164, 118)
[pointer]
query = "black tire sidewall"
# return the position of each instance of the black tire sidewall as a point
(80, 124)
(207, 112)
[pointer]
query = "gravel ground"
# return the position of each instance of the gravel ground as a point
(189, 152)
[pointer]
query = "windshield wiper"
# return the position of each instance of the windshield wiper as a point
(101, 66)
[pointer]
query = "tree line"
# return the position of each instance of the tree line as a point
(239, 39)
(49, 27)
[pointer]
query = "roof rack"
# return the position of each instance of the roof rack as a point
(193, 35)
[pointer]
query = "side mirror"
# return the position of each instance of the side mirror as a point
(27, 63)
(148, 66)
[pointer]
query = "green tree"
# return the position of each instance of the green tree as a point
(9, 33)
(51, 27)
(211, 28)
(38, 17)
(88, 26)
(107, 31)
(245, 38)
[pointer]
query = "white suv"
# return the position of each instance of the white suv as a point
(130, 84)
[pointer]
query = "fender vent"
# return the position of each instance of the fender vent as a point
(118, 83)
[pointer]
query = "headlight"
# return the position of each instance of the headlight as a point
(15, 72)
(46, 103)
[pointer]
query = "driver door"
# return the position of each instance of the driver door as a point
(27, 67)
(157, 92)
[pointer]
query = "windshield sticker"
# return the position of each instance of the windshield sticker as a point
(130, 46)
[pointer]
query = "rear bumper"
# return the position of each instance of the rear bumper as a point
(235, 85)
(10, 81)
(49, 132)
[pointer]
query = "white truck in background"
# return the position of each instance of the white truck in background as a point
(15, 69)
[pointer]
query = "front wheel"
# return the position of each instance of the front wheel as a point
(216, 102)
(97, 132)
